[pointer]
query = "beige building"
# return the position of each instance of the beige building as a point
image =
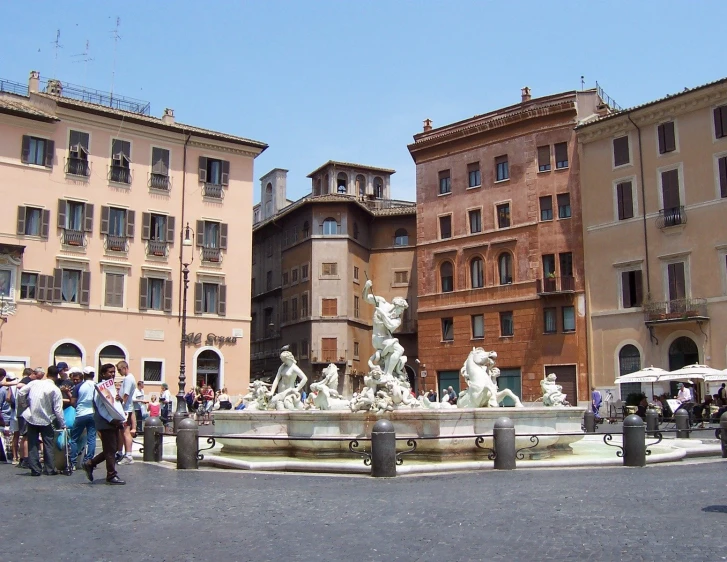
(311, 258)
(97, 194)
(654, 191)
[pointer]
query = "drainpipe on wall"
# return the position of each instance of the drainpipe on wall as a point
(643, 210)
(181, 225)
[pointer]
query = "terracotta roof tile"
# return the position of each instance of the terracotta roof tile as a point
(20, 105)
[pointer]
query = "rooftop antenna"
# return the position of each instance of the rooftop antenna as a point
(86, 59)
(116, 36)
(583, 83)
(57, 45)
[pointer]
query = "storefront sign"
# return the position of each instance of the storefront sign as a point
(193, 338)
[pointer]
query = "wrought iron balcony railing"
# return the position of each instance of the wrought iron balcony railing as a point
(328, 355)
(563, 284)
(673, 216)
(159, 182)
(117, 243)
(213, 190)
(77, 167)
(157, 248)
(677, 309)
(211, 255)
(119, 174)
(74, 237)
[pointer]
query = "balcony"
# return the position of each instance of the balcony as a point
(484, 296)
(673, 216)
(74, 237)
(77, 167)
(213, 191)
(119, 174)
(159, 182)
(117, 243)
(211, 255)
(678, 310)
(328, 355)
(157, 248)
(556, 285)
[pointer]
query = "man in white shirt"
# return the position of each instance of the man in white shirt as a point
(40, 404)
(139, 406)
(685, 394)
(126, 393)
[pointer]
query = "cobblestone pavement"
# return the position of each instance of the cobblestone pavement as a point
(659, 512)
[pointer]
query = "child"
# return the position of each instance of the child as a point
(155, 407)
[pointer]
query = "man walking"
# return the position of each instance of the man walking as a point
(126, 393)
(40, 403)
(83, 396)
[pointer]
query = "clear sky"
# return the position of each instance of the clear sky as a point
(353, 80)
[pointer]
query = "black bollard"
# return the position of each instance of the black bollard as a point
(652, 421)
(723, 434)
(383, 450)
(187, 444)
(504, 440)
(634, 441)
(153, 439)
(682, 422)
(589, 422)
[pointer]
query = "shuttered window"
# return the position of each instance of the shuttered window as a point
(210, 298)
(356, 307)
(667, 138)
(155, 294)
(160, 161)
(677, 281)
(624, 199)
(670, 189)
(720, 121)
(329, 349)
(329, 307)
(722, 166)
(561, 155)
(114, 294)
(121, 153)
(37, 151)
(214, 171)
(544, 158)
(304, 305)
(401, 277)
(621, 151)
(294, 308)
(33, 222)
(631, 289)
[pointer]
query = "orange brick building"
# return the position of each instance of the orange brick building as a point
(500, 244)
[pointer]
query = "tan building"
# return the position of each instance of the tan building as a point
(311, 258)
(654, 184)
(97, 194)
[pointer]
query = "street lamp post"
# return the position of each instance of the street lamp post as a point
(182, 411)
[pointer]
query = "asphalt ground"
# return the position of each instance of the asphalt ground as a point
(655, 513)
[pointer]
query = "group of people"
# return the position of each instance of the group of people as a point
(449, 394)
(202, 400)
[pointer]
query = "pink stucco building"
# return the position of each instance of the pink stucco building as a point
(97, 194)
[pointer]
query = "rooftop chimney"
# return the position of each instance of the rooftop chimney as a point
(54, 87)
(168, 117)
(34, 81)
(427, 125)
(525, 94)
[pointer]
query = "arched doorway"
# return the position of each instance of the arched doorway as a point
(208, 368)
(70, 353)
(682, 352)
(110, 354)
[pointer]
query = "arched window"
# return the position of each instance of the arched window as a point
(317, 190)
(477, 273)
(446, 274)
(504, 263)
(629, 360)
(342, 183)
(361, 186)
(401, 237)
(269, 190)
(268, 199)
(70, 353)
(326, 185)
(330, 227)
(378, 188)
(306, 229)
(110, 354)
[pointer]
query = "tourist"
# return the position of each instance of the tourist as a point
(7, 407)
(722, 393)
(139, 406)
(155, 407)
(452, 395)
(432, 396)
(685, 393)
(701, 411)
(166, 401)
(83, 398)
(596, 400)
(126, 393)
(108, 429)
(225, 403)
(189, 399)
(208, 396)
(641, 409)
(28, 377)
(40, 404)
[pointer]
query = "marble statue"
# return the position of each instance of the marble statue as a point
(552, 392)
(480, 374)
(284, 393)
(383, 393)
(389, 354)
(327, 396)
(256, 399)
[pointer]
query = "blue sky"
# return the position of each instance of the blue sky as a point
(353, 80)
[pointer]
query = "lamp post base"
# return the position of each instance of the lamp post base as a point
(178, 417)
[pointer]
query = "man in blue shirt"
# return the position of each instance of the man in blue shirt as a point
(83, 398)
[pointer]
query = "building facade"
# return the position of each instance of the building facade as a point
(311, 259)
(98, 196)
(654, 184)
(500, 244)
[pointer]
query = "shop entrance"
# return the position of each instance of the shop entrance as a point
(208, 369)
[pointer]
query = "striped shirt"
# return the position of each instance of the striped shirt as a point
(44, 403)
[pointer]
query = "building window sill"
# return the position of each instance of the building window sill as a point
(474, 187)
(443, 194)
(502, 181)
(121, 184)
(38, 167)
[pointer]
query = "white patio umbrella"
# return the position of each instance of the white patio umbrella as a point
(720, 377)
(690, 372)
(647, 374)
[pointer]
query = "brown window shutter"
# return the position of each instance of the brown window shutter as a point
(543, 156)
(225, 173)
(56, 295)
(670, 188)
(720, 122)
(625, 200)
(170, 230)
(130, 223)
(146, 226)
(110, 290)
(621, 151)
(723, 176)
(680, 280)
(62, 213)
(88, 217)
(85, 287)
(40, 294)
(620, 201)
(20, 228)
(104, 219)
(223, 236)
(662, 141)
(639, 289)
(25, 150)
(143, 293)
(168, 295)
(222, 300)
(50, 152)
(202, 169)
(45, 223)
(200, 233)
(198, 303)
(626, 288)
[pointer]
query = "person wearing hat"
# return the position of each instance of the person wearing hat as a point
(83, 400)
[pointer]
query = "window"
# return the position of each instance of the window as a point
(294, 308)
(720, 122)
(569, 319)
(445, 227)
(621, 151)
(722, 166)
(120, 171)
(361, 186)
(355, 350)
(378, 188)
(213, 171)
(401, 277)
(293, 275)
(355, 273)
(356, 307)
(114, 294)
(475, 221)
(304, 305)
(37, 151)
(269, 279)
(155, 294)
(446, 275)
(153, 371)
(473, 175)
(159, 178)
(341, 183)
(118, 225)
(304, 348)
(503, 215)
(549, 265)
(330, 227)
(677, 281)
(478, 326)
(74, 218)
(329, 349)
(306, 229)
(211, 237)
(566, 264)
(210, 298)
(506, 324)
(549, 321)
(33, 221)
(28, 285)
(304, 272)
(671, 199)
(285, 278)
(631, 289)
(629, 360)
(70, 287)
(564, 205)
(329, 307)
(477, 274)
(447, 329)
(544, 158)
(329, 269)
(561, 155)
(77, 162)
(445, 182)
(504, 263)
(285, 311)
(546, 208)
(624, 200)
(401, 237)
(667, 137)
(502, 170)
